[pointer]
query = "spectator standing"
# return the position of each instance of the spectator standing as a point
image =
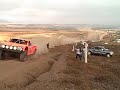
(78, 53)
(47, 45)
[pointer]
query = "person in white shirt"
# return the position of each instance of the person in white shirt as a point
(78, 53)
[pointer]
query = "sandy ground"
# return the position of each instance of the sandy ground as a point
(43, 71)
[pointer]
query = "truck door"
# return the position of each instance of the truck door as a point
(97, 50)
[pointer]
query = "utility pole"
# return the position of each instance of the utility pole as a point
(86, 51)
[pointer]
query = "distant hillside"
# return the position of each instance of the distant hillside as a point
(3, 21)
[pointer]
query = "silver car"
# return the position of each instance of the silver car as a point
(100, 50)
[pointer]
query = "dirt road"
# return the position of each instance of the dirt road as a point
(15, 74)
(48, 80)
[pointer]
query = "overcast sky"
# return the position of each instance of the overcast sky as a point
(61, 11)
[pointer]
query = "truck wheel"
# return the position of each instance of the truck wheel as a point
(1, 56)
(23, 56)
(89, 53)
(108, 55)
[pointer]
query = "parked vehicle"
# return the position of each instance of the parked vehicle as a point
(20, 47)
(100, 50)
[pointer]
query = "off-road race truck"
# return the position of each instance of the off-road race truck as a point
(20, 47)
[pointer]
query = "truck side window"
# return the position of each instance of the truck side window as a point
(97, 48)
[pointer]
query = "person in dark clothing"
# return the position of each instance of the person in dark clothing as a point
(47, 45)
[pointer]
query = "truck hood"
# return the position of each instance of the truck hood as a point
(12, 44)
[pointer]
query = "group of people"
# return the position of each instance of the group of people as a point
(80, 51)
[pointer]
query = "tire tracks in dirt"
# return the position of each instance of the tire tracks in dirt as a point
(48, 80)
(25, 75)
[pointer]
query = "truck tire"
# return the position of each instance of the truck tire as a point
(108, 55)
(89, 53)
(1, 56)
(23, 56)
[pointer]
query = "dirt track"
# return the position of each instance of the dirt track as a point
(59, 70)
(17, 75)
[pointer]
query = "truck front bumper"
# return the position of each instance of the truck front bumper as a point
(10, 50)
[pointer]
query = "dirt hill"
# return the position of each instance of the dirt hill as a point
(57, 68)
(3, 21)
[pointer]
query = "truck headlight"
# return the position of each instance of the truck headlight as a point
(15, 48)
(11, 47)
(3, 46)
(7, 47)
(19, 48)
